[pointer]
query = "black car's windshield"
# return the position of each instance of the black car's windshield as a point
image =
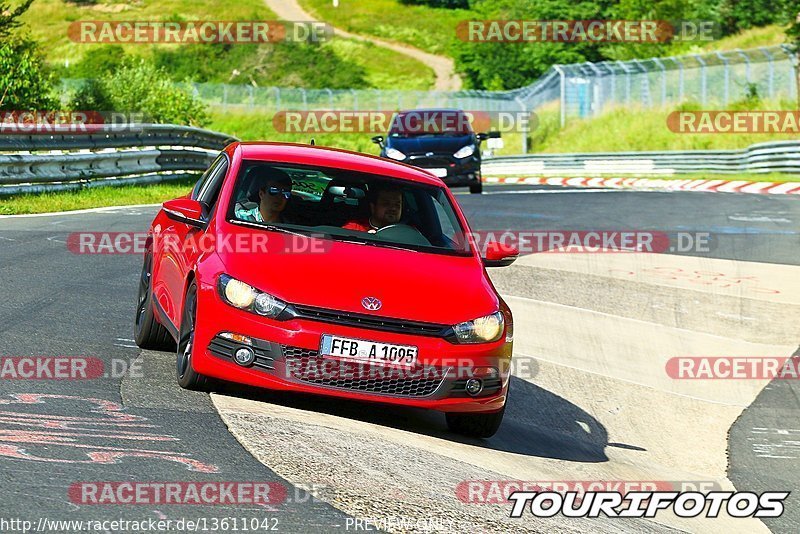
(347, 206)
(431, 124)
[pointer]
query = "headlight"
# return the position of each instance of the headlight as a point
(246, 297)
(464, 152)
(482, 330)
(395, 154)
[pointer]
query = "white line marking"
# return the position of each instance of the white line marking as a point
(78, 212)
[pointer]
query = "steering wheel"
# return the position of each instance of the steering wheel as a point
(403, 233)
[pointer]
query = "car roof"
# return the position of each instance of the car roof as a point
(333, 157)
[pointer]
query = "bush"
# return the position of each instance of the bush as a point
(283, 64)
(448, 4)
(139, 87)
(25, 82)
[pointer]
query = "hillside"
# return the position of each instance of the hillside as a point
(339, 63)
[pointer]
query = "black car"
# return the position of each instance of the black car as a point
(440, 141)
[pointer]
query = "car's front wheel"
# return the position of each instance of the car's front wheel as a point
(476, 189)
(475, 425)
(188, 378)
(148, 332)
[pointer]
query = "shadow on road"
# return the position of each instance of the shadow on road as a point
(537, 422)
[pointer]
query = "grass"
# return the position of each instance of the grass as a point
(752, 38)
(428, 28)
(48, 22)
(631, 129)
(94, 198)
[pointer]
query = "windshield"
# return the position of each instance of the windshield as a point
(347, 206)
(431, 123)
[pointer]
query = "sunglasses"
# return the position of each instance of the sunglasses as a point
(287, 193)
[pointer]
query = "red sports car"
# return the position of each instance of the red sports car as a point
(311, 269)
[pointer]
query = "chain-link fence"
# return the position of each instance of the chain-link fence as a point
(579, 90)
(711, 80)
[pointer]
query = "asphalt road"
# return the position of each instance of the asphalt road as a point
(58, 303)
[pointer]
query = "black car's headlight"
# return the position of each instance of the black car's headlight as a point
(395, 154)
(481, 330)
(246, 297)
(464, 152)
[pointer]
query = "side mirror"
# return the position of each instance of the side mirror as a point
(378, 140)
(185, 210)
(488, 135)
(499, 255)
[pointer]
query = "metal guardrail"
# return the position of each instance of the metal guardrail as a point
(107, 156)
(778, 156)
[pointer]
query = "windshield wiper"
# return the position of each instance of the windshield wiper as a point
(268, 226)
(374, 244)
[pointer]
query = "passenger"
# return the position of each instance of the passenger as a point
(386, 208)
(273, 194)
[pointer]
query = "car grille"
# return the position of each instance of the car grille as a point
(385, 324)
(430, 162)
(307, 366)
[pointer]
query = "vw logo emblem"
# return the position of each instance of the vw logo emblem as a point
(371, 303)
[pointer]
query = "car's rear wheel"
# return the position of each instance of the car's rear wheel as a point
(148, 332)
(188, 378)
(475, 425)
(476, 189)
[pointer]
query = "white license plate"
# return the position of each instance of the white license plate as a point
(368, 351)
(441, 173)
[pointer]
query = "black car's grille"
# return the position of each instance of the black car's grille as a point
(385, 324)
(224, 348)
(427, 162)
(307, 366)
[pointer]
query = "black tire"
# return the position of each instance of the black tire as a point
(188, 378)
(147, 331)
(476, 189)
(475, 425)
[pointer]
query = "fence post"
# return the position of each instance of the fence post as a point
(627, 81)
(561, 73)
(663, 80)
(703, 80)
(771, 67)
(727, 92)
(525, 130)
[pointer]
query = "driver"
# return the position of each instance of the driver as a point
(386, 208)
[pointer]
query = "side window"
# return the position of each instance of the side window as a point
(198, 187)
(447, 225)
(209, 191)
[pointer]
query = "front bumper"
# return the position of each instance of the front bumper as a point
(287, 358)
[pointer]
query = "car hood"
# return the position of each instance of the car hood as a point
(416, 286)
(417, 145)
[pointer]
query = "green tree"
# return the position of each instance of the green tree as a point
(26, 84)
(139, 87)
(9, 18)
